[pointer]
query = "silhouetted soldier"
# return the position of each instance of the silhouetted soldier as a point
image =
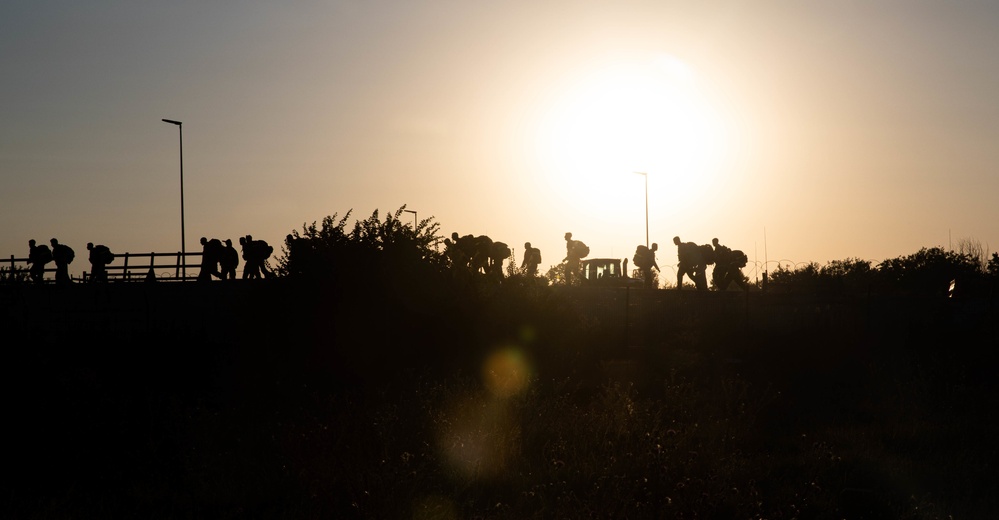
(691, 263)
(63, 256)
(211, 253)
(728, 266)
(228, 261)
(460, 250)
(255, 254)
(100, 257)
(451, 251)
(645, 260)
(38, 256)
(250, 268)
(575, 250)
(532, 258)
(482, 251)
(261, 251)
(498, 252)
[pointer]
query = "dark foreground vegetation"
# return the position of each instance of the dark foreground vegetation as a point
(386, 386)
(493, 401)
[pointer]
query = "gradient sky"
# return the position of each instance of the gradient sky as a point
(803, 131)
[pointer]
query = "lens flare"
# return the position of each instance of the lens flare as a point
(506, 373)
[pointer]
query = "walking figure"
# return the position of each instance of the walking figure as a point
(498, 252)
(575, 250)
(728, 266)
(38, 256)
(645, 260)
(100, 257)
(228, 261)
(63, 256)
(691, 263)
(460, 250)
(255, 254)
(211, 253)
(482, 252)
(532, 258)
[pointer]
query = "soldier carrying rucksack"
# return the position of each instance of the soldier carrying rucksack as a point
(228, 261)
(691, 263)
(728, 266)
(38, 256)
(100, 257)
(211, 254)
(498, 252)
(255, 255)
(63, 256)
(575, 250)
(532, 258)
(645, 260)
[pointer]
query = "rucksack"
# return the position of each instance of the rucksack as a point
(500, 251)
(739, 259)
(580, 249)
(641, 258)
(707, 254)
(43, 254)
(537, 255)
(264, 248)
(103, 254)
(62, 252)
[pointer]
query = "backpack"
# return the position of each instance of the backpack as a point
(500, 251)
(580, 249)
(264, 249)
(641, 258)
(63, 252)
(739, 259)
(43, 254)
(537, 254)
(103, 255)
(708, 254)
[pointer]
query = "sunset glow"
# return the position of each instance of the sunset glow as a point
(516, 121)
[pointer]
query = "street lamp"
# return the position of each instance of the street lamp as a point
(183, 249)
(414, 217)
(646, 175)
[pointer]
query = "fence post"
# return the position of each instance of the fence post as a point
(128, 276)
(151, 275)
(176, 273)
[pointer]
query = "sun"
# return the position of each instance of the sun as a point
(645, 116)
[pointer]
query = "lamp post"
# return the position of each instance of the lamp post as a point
(646, 175)
(183, 248)
(414, 218)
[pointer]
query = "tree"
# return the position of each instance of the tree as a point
(928, 271)
(974, 249)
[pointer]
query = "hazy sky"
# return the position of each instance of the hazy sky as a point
(805, 131)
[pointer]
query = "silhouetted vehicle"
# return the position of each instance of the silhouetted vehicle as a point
(606, 272)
